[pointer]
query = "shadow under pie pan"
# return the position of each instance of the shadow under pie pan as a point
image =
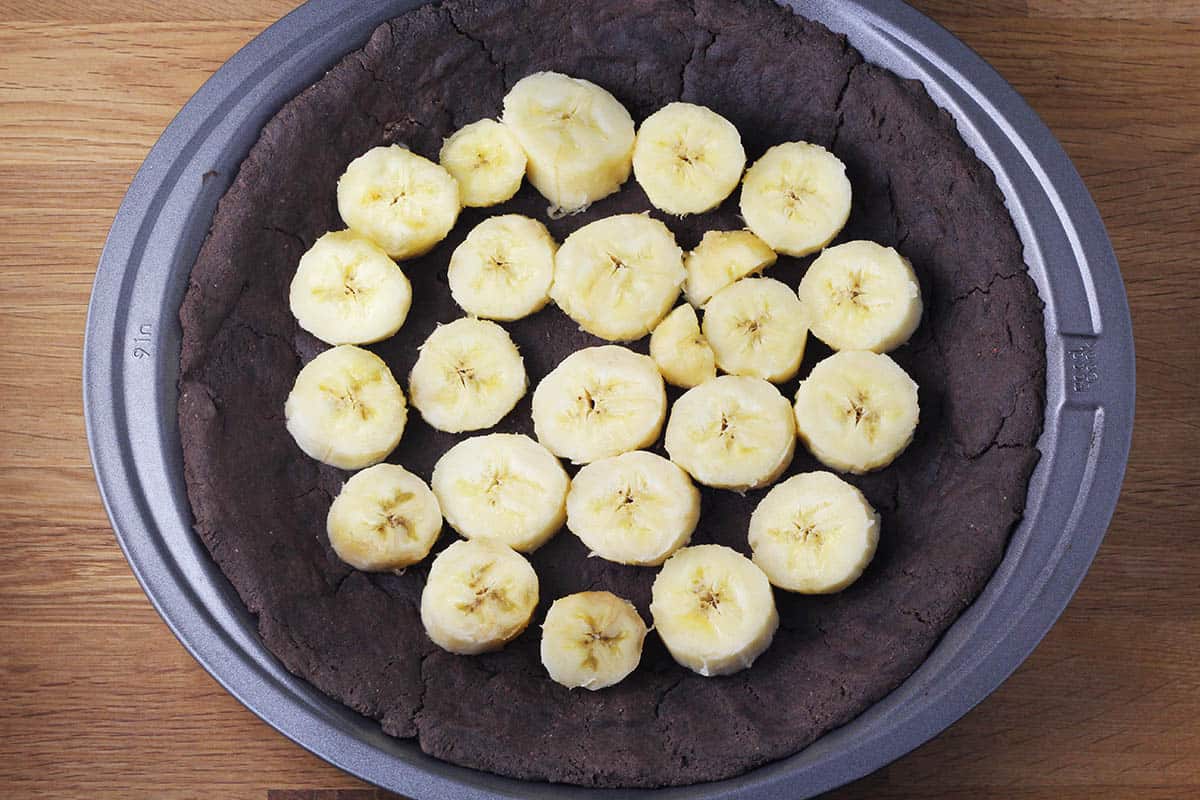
(131, 370)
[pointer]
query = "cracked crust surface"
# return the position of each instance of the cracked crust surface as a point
(948, 503)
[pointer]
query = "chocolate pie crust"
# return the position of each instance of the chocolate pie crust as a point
(948, 503)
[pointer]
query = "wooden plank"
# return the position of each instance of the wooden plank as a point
(1106, 9)
(943, 10)
(264, 12)
(60, 83)
(121, 713)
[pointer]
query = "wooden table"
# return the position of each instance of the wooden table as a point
(99, 700)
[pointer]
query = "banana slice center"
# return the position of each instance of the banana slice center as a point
(738, 430)
(621, 277)
(688, 155)
(602, 637)
(709, 596)
(804, 531)
(798, 193)
(391, 519)
(572, 124)
(806, 528)
(501, 483)
(630, 499)
(348, 398)
(854, 291)
(596, 638)
(349, 287)
(628, 272)
(726, 425)
(754, 327)
(494, 487)
(860, 416)
(485, 593)
(464, 372)
(802, 195)
(692, 160)
(400, 198)
(590, 402)
(393, 197)
(499, 263)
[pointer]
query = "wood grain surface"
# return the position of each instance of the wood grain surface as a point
(100, 700)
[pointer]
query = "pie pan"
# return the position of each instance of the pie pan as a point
(131, 364)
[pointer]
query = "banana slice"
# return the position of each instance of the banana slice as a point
(591, 640)
(599, 402)
(486, 160)
(347, 291)
(503, 486)
(346, 409)
(722, 258)
(635, 508)
(503, 269)
(687, 158)
(577, 137)
(713, 609)
(861, 296)
(479, 596)
(404, 203)
(814, 534)
(796, 198)
(756, 327)
(385, 518)
(732, 433)
(682, 353)
(467, 377)
(856, 411)
(618, 276)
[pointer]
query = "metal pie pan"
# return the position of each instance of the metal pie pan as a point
(131, 364)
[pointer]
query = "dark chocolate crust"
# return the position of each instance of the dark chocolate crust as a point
(948, 503)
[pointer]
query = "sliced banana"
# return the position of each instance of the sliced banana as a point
(796, 198)
(503, 269)
(713, 609)
(635, 508)
(347, 291)
(757, 327)
(404, 203)
(346, 409)
(487, 161)
(814, 533)
(599, 402)
(384, 518)
(682, 353)
(591, 640)
(479, 596)
(687, 158)
(861, 296)
(467, 377)
(618, 276)
(577, 137)
(721, 258)
(503, 486)
(732, 432)
(856, 411)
